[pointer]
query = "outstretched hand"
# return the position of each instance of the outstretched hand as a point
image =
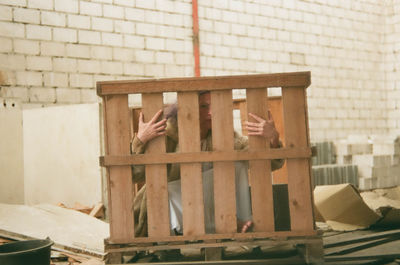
(263, 128)
(149, 130)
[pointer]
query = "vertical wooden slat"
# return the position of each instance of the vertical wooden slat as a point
(295, 119)
(156, 175)
(191, 177)
(117, 126)
(224, 172)
(260, 170)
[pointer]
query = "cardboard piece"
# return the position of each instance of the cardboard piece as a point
(342, 208)
(385, 202)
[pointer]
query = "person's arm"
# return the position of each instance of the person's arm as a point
(266, 129)
(146, 132)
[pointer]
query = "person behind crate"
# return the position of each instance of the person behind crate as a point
(168, 127)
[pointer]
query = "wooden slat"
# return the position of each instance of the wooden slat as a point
(120, 177)
(203, 83)
(260, 170)
(191, 177)
(224, 172)
(216, 156)
(296, 130)
(156, 175)
(274, 235)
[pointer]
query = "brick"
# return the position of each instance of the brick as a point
(89, 8)
(102, 24)
(89, 96)
(38, 32)
(128, 3)
(12, 61)
(38, 63)
(89, 66)
(134, 14)
(153, 17)
(113, 11)
(101, 52)
(55, 79)
(145, 29)
(53, 19)
(65, 35)
(29, 78)
(112, 39)
(155, 44)
(68, 95)
(41, 4)
(124, 26)
(6, 13)
(144, 56)
(164, 57)
(13, 2)
(52, 48)
(81, 80)
(65, 65)
(15, 92)
(136, 42)
(154, 70)
(111, 67)
(168, 32)
(146, 4)
(297, 58)
(78, 21)
(123, 54)
(6, 45)
(40, 94)
(174, 19)
(7, 78)
(135, 69)
(175, 45)
(174, 71)
(13, 30)
(89, 37)
(78, 51)
(70, 6)
(26, 47)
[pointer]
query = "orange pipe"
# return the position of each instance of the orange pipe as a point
(196, 45)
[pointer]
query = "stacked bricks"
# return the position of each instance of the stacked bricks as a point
(377, 160)
(325, 171)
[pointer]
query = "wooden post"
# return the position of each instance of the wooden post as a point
(224, 172)
(191, 176)
(296, 130)
(260, 170)
(156, 175)
(120, 192)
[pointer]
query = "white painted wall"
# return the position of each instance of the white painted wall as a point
(61, 155)
(11, 152)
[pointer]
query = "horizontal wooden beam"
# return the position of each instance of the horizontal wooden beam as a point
(295, 79)
(274, 235)
(171, 158)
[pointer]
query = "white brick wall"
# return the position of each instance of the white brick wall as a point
(351, 48)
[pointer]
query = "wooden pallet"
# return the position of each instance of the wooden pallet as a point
(118, 160)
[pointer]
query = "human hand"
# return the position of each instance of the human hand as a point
(149, 130)
(264, 128)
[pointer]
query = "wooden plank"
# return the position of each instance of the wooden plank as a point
(215, 156)
(156, 175)
(273, 236)
(224, 172)
(191, 176)
(260, 170)
(296, 129)
(117, 139)
(203, 83)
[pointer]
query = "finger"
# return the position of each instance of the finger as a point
(141, 117)
(159, 129)
(254, 133)
(163, 121)
(253, 124)
(256, 117)
(156, 116)
(161, 133)
(254, 129)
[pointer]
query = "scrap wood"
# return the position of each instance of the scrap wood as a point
(97, 211)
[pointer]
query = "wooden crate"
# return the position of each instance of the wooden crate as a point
(118, 161)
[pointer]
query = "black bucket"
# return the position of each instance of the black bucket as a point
(35, 252)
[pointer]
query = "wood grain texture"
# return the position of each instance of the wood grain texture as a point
(120, 192)
(224, 172)
(156, 175)
(299, 185)
(203, 83)
(191, 176)
(260, 170)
